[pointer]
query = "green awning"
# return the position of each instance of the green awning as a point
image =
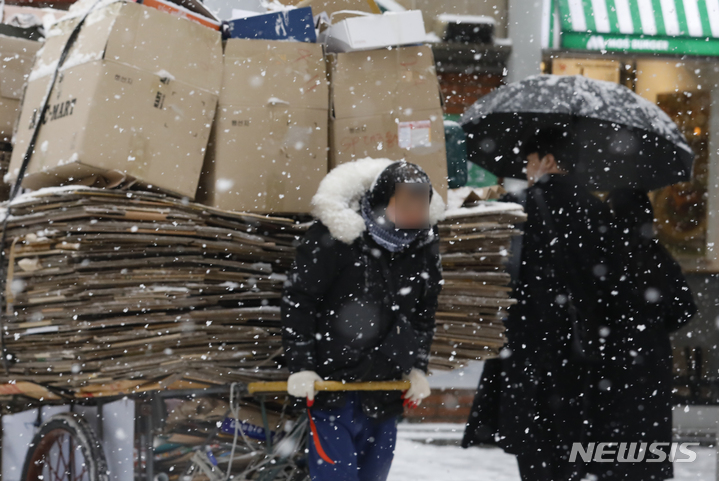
(684, 27)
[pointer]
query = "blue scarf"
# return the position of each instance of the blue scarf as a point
(386, 234)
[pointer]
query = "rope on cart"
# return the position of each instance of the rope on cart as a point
(21, 174)
(235, 411)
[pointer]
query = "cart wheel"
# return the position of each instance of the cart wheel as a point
(65, 449)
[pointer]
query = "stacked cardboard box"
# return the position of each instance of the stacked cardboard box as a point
(268, 150)
(135, 100)
(386, 103)
(17, 55)
(475, 243)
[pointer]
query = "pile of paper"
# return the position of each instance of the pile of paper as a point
(475, 244)
(126, 288)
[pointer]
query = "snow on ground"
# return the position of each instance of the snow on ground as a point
(419, 461)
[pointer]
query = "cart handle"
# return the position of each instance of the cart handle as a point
(281, 386)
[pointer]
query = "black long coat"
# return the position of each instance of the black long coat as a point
(633, 399)
(532, 398)
(337, 310)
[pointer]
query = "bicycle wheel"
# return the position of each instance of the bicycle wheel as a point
(65, 449)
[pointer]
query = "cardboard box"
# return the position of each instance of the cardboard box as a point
(17, 56)
(387, 80)
(201, 16)
(416, 137)
(386, 103)
(268, 149)
(367, 32)
(329, 7)
(295, 25)
(135, 100)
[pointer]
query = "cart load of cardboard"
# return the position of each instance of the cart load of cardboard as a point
(169, 177)
(107, 287)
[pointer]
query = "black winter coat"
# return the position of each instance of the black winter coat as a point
(532, 398)
(337, 306)
(634, 383)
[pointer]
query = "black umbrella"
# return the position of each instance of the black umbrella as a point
(620, 139)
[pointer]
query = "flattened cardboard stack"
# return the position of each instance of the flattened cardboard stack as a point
(110, 289)
(475, 244)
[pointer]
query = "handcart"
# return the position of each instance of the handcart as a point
(260, 435)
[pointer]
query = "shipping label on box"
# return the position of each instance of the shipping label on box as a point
(414, 134)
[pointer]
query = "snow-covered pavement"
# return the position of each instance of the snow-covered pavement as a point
(419, 461)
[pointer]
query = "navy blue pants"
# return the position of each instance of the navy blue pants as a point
(361, 447)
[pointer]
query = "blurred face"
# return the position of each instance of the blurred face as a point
(409, 206)
(538, 167)
(533, 163)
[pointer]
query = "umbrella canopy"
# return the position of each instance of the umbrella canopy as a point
(619, 138)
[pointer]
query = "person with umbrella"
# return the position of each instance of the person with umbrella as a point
(537, 400)
(543, 375)
(634, 381)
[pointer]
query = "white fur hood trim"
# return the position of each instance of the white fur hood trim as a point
(336, 203)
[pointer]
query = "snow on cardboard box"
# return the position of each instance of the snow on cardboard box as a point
(386, 103)
(135, 99)
(268, 149)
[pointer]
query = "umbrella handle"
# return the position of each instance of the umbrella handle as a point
(281, 386)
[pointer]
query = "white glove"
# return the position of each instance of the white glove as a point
(419, 388)
(302, 384)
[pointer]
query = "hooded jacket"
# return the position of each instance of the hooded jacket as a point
(337, 305)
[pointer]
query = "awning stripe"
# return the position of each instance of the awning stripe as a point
(646, 10)
(625, 17)
(704, 18)
(659, 17)
(547, 27)
(713, 10)
(589, 15)
(601, 16)
(693, 19)
(671, 18)
(576, 16)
